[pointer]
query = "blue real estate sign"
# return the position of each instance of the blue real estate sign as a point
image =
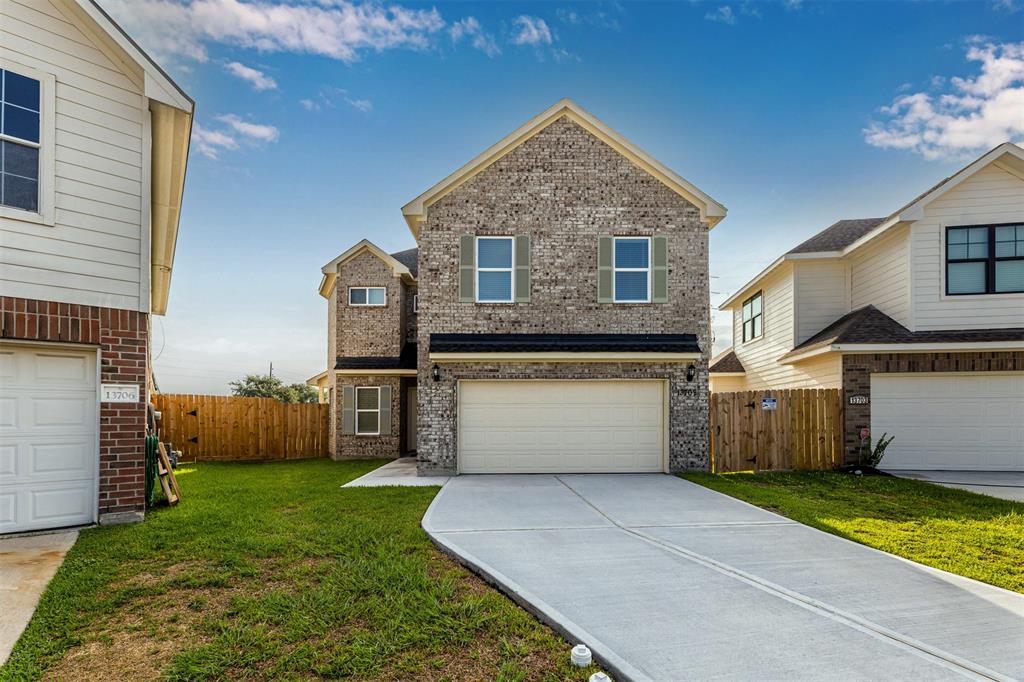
(769, 403)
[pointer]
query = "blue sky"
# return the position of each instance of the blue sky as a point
(318, 119)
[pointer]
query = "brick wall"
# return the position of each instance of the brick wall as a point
(564, 187)
(361, 447)
(857, 371)
(369, 330)
(122, 339)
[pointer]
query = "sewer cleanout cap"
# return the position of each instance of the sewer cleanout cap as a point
(600, 677)
(581, 656)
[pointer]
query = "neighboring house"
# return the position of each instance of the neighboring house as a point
(554, 318)
(918, 317)
(95, 142)
(322, 385)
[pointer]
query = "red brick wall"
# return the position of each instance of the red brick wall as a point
(122, 338)
(857, 371)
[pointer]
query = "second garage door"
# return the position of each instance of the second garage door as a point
(950, 422)
(561, 426)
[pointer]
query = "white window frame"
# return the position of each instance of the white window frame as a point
(415, 304)
(616, 270)
(743, 323)
(357, 411)
(47, 131)
(367, 304)
(510, 270)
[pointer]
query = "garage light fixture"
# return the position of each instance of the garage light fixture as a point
(691, 372)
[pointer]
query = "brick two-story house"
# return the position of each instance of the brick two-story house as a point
(554, 318)
(918, 317)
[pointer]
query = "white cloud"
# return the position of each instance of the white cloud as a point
(256, 78)
(974, 114)
(470, 28)
(531, 31)
(309, 105)
(333, 28)
(328, 96)
(254, 131)
(723, 14)
(1007, 6)
(210, 143)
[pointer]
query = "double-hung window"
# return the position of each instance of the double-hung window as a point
(631, 263)
(20, 101)
(986, 259)
(368, 410)
(495, 268)
(753, 317)
(367, 296)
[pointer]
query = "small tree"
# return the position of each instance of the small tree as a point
(871, 455)
(266, 386)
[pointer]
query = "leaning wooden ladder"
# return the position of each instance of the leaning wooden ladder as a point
(166, 475)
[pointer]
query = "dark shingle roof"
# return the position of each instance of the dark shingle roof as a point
(871, 325)
(408, 258)
(406, 360)
(572, 343)
(838, 236)
(727, 362)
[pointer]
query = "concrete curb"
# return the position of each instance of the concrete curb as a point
(619, 668)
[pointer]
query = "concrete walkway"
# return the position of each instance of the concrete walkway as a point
(667, 580)
(1008, 485)
(27, 564)
(401, 472)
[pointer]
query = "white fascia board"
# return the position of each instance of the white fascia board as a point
(953, 347)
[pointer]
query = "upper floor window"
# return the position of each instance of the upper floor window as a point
(367, 296)
(985, 259)
(495, 265)
(753, 317)
(19, 141)
(631, 264)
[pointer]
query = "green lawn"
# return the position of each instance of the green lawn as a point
(272, 571)
(974, 535)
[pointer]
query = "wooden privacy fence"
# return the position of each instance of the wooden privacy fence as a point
(803, 431)
(211, 427)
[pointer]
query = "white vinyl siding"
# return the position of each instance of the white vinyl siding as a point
(94, 254)
(821, 296)
(991, 196)
(880, 275)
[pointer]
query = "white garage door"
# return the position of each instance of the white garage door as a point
(950, 421)
(561, 426)
(48, 438)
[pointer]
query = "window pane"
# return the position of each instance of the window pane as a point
(367, 398)
(494, 286)
(20, 193)
(746, 311)
(1005, 249)
(958, 236)
(755, 305)
(494, 253)
(957, 252)
(631, 253)
(977, 250)
(1010, 275)
(21, 160)
(376, 296)
(966, 278)
(367, 422)
(979, 235)
(21, 90)
(757, 326)
(1005, 234)
(21, 123)
(748, 330)
(357, 296)
(630, 286)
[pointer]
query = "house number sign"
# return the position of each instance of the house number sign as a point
(859, 400)
(119, 393)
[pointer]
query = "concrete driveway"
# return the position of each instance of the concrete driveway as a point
(666, 580)
(1008, 485)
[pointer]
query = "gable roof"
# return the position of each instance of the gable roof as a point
(726, 363)
(410, 259)
(844, 236)
(710, 210)
(398, 267)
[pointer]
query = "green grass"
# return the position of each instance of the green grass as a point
(973, 535)
(272, 571)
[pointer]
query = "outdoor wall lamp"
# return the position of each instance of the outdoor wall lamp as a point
(436, 373)
(691, 372)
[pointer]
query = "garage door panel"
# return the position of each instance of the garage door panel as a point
(560, 426)
(49, 423)
(969, 421)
